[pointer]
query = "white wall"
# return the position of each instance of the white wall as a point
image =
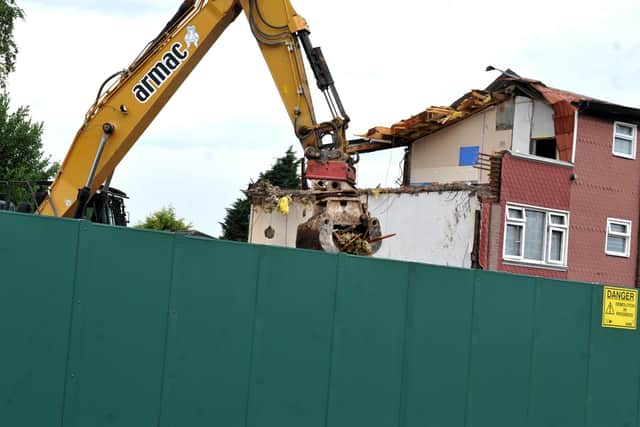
(542, 125)
(435, 157)
(284, 226)
(431, 227)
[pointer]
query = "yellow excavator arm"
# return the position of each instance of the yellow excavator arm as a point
(133, 98)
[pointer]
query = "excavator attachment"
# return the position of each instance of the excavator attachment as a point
(340, 223)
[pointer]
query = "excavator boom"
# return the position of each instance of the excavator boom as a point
(134, 96)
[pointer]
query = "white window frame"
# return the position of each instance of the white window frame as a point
(633, 139)
(549, 228)
(627, 236)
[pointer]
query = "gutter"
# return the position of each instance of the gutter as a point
(611, 111)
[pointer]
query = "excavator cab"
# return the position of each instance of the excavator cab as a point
(104, 207)
(107, 207)
(13, 195)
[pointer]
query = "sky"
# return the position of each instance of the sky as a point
(390, 60)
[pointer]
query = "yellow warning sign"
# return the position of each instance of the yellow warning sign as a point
(619, 308)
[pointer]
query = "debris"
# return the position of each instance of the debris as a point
(376, 192)
(268, 196)
(381, 238)
(283, 205)
(435, 118)
(352, 243)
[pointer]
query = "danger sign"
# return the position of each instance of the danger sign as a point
(619, 308)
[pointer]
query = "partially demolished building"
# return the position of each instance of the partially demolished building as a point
(549, 178)
(433, 224)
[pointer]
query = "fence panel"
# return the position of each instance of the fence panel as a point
(614, 374)
(210, 330)
(501, 350)
(37, 274)
(438, 341)
(118, 328)
(102, 326)
(292, 339)
(368, 345)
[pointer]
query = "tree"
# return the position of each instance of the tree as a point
(164, 219)
(283, 174)
(9, 12)
(236, 221)
(21, 154)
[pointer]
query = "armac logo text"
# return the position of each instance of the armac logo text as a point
(160, 72)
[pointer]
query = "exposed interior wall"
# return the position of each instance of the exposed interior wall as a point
(435, 228)
(436, 157)
(283, 227)
(495, 139)
(430, 227)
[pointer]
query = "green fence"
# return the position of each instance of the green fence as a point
(120, 327)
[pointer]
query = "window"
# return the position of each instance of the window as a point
(624, 140)
(535, 235)
(545, 147)
(618, 237)
(504, 115)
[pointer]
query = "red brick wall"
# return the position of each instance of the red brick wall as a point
(606, 187)
(534, 183)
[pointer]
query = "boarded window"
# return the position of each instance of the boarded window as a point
(523, 114)
(468, 155)
(542, 124)
(504, 115)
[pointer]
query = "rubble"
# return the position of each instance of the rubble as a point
(269, 196)
(430, 120)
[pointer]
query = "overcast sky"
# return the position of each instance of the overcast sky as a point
(389, 59)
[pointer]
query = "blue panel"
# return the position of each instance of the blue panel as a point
(469, 155)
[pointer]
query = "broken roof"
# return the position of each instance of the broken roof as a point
(509, 84)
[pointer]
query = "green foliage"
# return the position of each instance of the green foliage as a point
(9, 12)
(21, 155)
(165, 220)
(236, 221)
(22, 160)
(283, 174)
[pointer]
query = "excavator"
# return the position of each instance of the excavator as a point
(129, 100)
